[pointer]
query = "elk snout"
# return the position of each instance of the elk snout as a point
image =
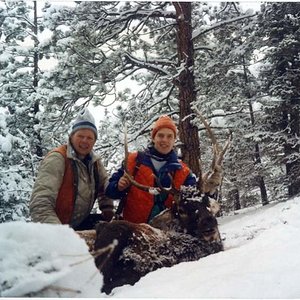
(209, 229)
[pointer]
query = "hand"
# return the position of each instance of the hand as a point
(123, 183)
(212, 180)
(107, 215)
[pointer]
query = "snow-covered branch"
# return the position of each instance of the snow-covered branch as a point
(201, 31)
(149, 65)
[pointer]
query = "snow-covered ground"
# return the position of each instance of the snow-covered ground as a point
(261, 260)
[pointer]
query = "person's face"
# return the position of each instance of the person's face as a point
(83, 141)
(164, 140)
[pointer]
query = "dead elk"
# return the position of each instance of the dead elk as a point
(187, 231)
(141, 248)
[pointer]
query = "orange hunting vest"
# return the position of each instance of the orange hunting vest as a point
(139, 204)
(67, 193)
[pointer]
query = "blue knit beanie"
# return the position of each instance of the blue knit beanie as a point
(84, 120)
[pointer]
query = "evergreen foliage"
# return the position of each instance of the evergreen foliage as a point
(228, 91)
(19, 108)
(280, 81)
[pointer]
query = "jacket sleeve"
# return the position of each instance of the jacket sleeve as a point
(104, 201)
(190, 180)
(45, 190)
(112, 187)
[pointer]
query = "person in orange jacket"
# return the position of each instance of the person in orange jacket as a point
(70, 179)
(158, 159)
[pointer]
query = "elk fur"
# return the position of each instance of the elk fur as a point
(89, 236)
(190, 234)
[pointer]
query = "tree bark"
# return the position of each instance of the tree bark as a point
(190, 146)
(36, 104)
(257, 160)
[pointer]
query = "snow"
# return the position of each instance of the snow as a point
(45, 260)
(219, 121)
(2, 118)
(5, 143)
(261, 260)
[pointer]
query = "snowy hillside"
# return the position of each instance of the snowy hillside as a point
(261, 260)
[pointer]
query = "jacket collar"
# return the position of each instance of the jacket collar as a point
(172, 163)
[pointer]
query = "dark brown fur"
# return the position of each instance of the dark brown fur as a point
(190, 234)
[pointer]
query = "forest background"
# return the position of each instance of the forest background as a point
(138, 60)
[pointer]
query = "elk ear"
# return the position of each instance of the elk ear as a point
(213, 206)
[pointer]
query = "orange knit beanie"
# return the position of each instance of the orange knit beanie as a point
(163, 122)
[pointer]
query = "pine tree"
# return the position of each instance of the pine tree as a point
(279, 27)
(149, 43)
(227, 92)
(19, 104)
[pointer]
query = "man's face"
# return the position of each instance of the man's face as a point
(83, 141)
(164, 140)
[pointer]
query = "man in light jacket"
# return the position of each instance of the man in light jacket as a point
(70, 179)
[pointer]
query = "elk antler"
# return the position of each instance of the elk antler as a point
(218, 153)
(170, 190)
(212, 179)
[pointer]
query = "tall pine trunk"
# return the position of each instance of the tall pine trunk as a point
(190, 146)
(257, 160)
(36, 104)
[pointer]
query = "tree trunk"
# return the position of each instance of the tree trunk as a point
(257, 160)
(36, 104)
(234, 196)
(292, 149)
(190, 146)
(263, 191)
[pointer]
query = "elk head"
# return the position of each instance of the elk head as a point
(191, 213)
(196, 214)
